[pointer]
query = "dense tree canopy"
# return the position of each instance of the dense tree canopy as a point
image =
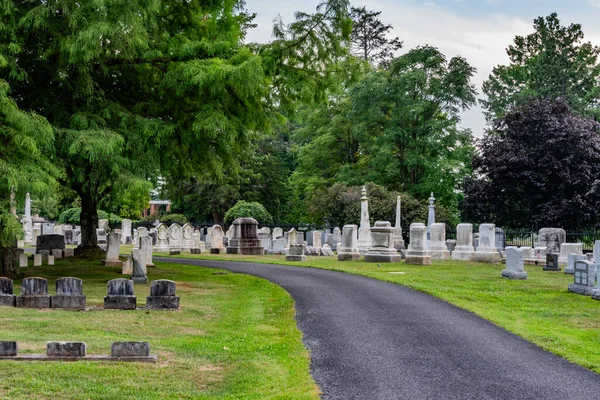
(549, 63)
(540, 166)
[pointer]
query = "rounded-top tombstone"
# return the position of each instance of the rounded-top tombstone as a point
(69, 294)
(34, 293)
(162, 296)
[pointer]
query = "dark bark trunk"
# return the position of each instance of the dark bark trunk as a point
(9, 266)
(89, 222)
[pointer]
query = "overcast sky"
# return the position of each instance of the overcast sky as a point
(479, 30)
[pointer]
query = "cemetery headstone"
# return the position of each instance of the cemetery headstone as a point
(450, 245)
(126, 225)
(127, 268)
(146, 248)
(584, 278)
(34, 293)
(244, 237)
(348, 251)
(130, 349)
(50, 242)
(68, 253)
(566, 249)
(47, 228)
(417, 252)
(37, 260)
(188, 237)
(552, 238)
(296, 252)
(7, 298)
(57, 253)
(175, 237)
(66, 349)
(398, 239)
(326, 251)
(552, 262)
(162, 242)
(113, 251)
(140, 273)
(438, 250)
(69, 294)
(9, 349)
(515, 264)
(120, 295)
(571, 260)
(382, 244)
(162, 296)
(101, 235)
(264, 235)
(464, 250)
(50, 260)
(103, 224)
(500, 239)
(217, 246)
(486, 251)
(23, 261)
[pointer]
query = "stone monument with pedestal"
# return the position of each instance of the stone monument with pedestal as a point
(244, 238)
(398, 239)
(364, 231)
(296, 252)
(382, 244)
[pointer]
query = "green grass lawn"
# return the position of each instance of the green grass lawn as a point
(235, 337)
(539, 309)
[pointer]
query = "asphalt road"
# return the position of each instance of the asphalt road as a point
(374, 340)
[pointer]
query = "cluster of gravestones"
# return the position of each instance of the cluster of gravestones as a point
(77, 351)
(69, 294)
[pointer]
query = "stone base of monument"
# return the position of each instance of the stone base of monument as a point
(514, 275)
(107, 263)
(291, 257)
(489, 257)
(140, 279)
(580, 289)
(417, 259)
(120, 302)
(7, 300)
(215, 251)
(246, 251)
(348, 256)
(382, 257)
(462, 255)
(195, 251)
(162, 303)
(68, 302)
(569, 271)
(546, 268)
(41, 301)
(439, 254)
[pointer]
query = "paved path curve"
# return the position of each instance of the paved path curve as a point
(376, 340)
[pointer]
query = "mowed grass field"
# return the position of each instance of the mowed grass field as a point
(235, 337)
(540, 309)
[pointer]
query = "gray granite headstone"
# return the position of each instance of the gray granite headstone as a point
(66, 349)
(551, 262)
(296, 253)
(162, 296)
(515, 262)
(50, 242)
(7, 298)
(584, 278)
(572, 258)
(34, 293)
(120, 295)
(130, 349)
(9, 349)
(69, 294)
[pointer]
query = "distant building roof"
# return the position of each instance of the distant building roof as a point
(161, 202)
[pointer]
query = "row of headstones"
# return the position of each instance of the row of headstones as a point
(46, 256)
(72, 234)
(69, 294)
(79, 349)
(314, 241)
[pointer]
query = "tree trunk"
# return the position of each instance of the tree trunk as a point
(89, 223)
(8, 262)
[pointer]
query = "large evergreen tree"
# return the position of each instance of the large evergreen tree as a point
(549, 63)
(369, 39)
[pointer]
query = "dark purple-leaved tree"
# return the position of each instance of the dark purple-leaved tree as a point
(539, 166)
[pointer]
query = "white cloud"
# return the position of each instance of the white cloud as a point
(481, 38)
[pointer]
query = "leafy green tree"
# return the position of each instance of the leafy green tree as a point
(141, 88)
(369, 39)
(549, 63)
(24, 167)
(245, 209)
(539, 167)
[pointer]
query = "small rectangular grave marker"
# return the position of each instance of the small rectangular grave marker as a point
(66, 349)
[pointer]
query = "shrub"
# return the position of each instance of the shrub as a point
(244, 209)
(169, 219)
(72, 217)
